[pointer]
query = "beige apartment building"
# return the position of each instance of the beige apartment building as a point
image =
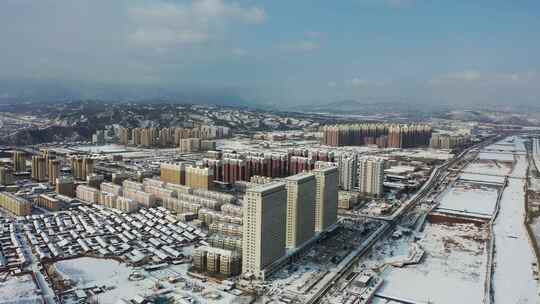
(371, 176)
(39, 167)
(199, 178)
(174, 173)
(326, 197)
(300, 209)
(265, 218)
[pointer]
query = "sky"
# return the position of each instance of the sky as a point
(274, 52)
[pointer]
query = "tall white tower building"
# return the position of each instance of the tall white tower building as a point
(326, 197)
(265, 217)
(371, 175)
(348, 172)
(300, 209)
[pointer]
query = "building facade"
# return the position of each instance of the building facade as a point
(300, 209)
(326, 197)
(265, 218)
(371, 176)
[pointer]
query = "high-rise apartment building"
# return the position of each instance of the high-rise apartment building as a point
(371, 175)
(199, 178)
(94, 180)
(49, 156)
(124, 136)
(381, 134)
(326, 197)
(98, 138)
(19, 161)
(53, 170)
(5, 176)
(39, 168)
(65, 186)
(81, 167)
(300, 209)
(174, 173)
(190, 145)
(348, 171)
(265, 218)
(449, 141)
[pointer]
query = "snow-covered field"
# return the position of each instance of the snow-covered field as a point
(425, 153)
(488, 167)
(89, 272)
(112, 148)
(470, 198)
(513, 280)
(453, 270)
(19, 289)
(482, 178)
(496, 156)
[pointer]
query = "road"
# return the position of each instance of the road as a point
(46, 291)
(436, 178)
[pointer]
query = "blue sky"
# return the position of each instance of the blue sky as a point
(280, 52)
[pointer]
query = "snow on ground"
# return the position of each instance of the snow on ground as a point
(19, 289)
(534, 184)
(112, 148)
(509, 144)
(425, 153)
(513, 280)
(535, 226)
(471, 198)
(520, 167)
(482, 178)
(488, 167)
(496, 156)
(453, 270)
(89, 272)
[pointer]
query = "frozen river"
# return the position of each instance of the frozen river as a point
(513, 280)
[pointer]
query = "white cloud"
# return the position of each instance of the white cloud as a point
(171, 24)
(332, 84)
